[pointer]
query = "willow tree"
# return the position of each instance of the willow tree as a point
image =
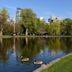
(3, 18)
(40, 25)
(66, 27)
(54, 28)
(28, 19)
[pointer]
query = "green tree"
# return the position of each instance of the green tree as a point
(3, 18)
(66, 27)
(28, 19)
(8, 28)
(54, 28)
(40, 26)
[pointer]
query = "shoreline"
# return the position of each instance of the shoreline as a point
(45, 66)
(43, 36)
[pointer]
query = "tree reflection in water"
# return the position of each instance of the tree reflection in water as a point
(5, 49)
(31, 47)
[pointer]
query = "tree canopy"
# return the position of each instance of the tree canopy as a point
(30, 24)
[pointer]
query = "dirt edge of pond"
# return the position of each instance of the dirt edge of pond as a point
(44, 66)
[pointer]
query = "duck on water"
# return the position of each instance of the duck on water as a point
(27, 59)
(38, 62)
(24, 59)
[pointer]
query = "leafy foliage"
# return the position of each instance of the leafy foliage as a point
(29, 23)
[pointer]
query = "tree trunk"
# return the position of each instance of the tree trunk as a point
(1, 31)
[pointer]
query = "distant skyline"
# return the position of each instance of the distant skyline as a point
(43, 8)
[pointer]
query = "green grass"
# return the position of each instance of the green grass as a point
(42, 36)
(23, 36)
(6, 36)
(64, 65)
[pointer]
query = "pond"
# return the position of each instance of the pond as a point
(43, 49)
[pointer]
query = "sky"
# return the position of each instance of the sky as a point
(43, 8)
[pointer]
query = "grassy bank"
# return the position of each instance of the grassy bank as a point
(18, 36)
(42, 36)
(6, 36)
(64, 65)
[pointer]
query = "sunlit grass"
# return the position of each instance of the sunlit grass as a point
(18, 36)
(64, 65)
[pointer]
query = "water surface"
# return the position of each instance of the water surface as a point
(44, 49)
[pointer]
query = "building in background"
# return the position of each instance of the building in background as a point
(54, 19)
(41, 18)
